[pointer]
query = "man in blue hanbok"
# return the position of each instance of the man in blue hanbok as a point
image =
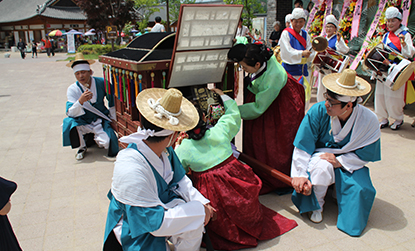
(334, 142)
(296, 51)
(86, 110)
(152, 201)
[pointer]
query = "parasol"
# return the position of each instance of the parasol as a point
(55, 33)
(75, 32)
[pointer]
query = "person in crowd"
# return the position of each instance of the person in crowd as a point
(22, 48)
(231, 186)
(34, 48)
(335, 141)
(151, 198)
(295, 45)
(288, 18)
(272, 110)
(8, 240)
(48, 45)
(299, 4)
(275, 35)
(242, 33)
(158, 27)
(87, 112)
(52, 46)
(389, 103)
(336, 43)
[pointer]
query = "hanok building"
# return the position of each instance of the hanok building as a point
(34, 19)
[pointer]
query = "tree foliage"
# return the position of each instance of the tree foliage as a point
(144, 9)
(174, 8)
(251, 7)
(101, 13)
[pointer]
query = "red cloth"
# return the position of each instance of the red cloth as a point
(269, 138)
(300, 38)
(47, 43)
(233, 190)
(395, 40)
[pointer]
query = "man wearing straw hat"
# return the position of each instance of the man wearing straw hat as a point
(87, 112)
(334, 142)
(151, 198)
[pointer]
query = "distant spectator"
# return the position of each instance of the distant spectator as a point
(22, 47)
(241, 33)
(275, 34)
(158, 27)
(34, 48)
(48, 45)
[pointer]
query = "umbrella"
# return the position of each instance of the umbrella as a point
(75, 32)
(90, 32)
(55, 33)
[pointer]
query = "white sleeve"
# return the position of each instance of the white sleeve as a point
(112, 114)
(310, 48)
(351, 162)
(75, 110)
(409, 50)
(188, 192)
(181, 218)
(300, 163)
(341, 46)
(289, 55)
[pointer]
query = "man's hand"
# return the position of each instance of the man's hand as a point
(210, 213)
(87, 95)
(402, 39)
(218, 91)
(306, 53)
(302, 185)
(331, 158)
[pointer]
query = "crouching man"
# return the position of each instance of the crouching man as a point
(334, 142)
(151, 198)
(87, 112)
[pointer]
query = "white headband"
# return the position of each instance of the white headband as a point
(331, 19)
(288, 18)
(393, 12)
(143, 134)
(298, 13)
(346, 99)
(81, 67)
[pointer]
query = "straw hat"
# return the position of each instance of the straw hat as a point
(80, 57)
(167, 109)
(346, 83)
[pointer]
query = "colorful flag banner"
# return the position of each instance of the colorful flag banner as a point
(356, 19)
(369, 34)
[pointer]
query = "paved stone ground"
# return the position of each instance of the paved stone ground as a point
(61, 203)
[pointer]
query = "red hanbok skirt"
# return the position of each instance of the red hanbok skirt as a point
(269, 138)
(233, 190)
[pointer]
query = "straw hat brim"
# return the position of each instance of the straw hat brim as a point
(188, 118)
(361, 89)
(90, 61)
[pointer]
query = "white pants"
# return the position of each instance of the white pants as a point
(321, 176)
(307, 102)
(100, 136)
(321, 89)
(388, 103)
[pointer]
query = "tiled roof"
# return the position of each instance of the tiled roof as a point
(69, 13)
(18, 10)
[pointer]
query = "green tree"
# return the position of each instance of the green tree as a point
(251, 7)
(144, 9)
(174, 8)
(101, 13)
